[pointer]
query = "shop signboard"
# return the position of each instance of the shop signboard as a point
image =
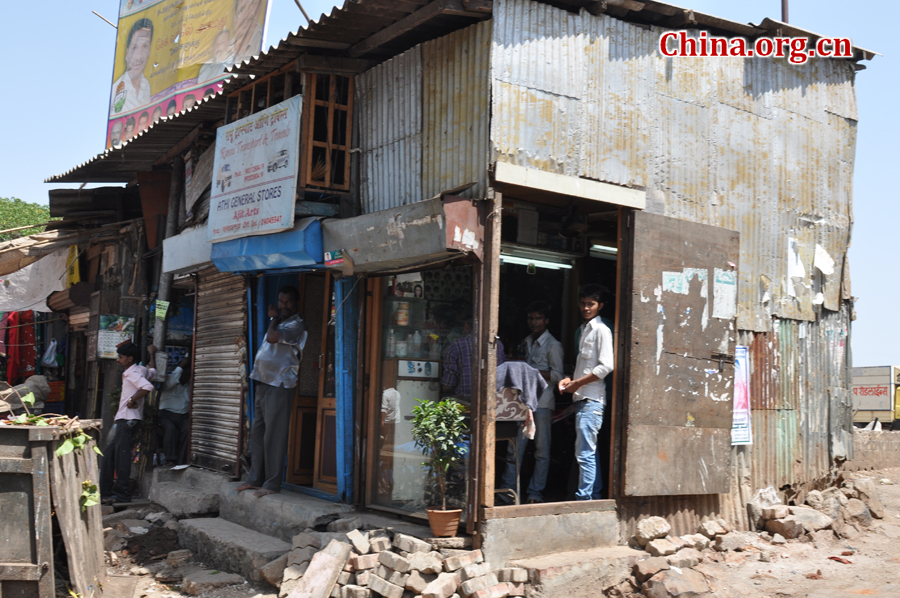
(170, 54)
(255, 173)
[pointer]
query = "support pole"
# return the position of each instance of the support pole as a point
(176, 184)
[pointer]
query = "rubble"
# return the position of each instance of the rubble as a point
(651, 529)
(204, 581)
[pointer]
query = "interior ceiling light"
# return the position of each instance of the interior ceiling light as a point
(524, 261)
(604, 249)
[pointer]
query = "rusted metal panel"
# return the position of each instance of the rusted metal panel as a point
(456, 93)
(389, 105)
(220, 371)
(759, 146)
(679, 383)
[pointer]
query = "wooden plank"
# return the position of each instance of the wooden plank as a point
(550, 508)
(22, 466)
(19, 572)
(406, 24)
(333, 64)
(82, 532)
(490, 322)
(308, 42)
(679, 393)
(43, 527)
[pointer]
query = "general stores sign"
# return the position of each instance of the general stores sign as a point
(255, 174)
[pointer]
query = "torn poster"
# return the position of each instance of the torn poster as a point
(725, 294)
(795, 270)
(674, 283)
(741, 432)
(823, 261)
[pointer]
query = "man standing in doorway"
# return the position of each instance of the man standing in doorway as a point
(275, 371)
(135, 386)
(545, 354)
(456, 380)
(594, 363)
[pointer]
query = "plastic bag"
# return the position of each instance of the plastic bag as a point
(49, 359)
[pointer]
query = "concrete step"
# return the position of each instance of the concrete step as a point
(580, 573)
(183, 501)
(187, 492)
(282, 515)
(230, 547)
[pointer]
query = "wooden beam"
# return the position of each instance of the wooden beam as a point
(307, 42)
(406, 24)
(179, 147)
(333, 64)
(550, 508)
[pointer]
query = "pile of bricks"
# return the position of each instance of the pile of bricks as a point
(367, 564)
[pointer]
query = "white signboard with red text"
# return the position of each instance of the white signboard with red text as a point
(255, 173)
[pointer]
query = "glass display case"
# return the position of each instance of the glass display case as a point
(421, 315)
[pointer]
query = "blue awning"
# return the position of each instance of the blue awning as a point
(300, 246)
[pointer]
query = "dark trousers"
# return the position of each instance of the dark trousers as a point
(175, 435)
(269, 435)
(117, 459)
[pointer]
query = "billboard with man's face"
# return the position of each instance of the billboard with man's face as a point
(170, 54)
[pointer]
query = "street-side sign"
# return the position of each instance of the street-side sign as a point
(255, 173)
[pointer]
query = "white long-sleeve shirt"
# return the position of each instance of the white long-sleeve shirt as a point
(546, 353)
(176, 397)
(595, 356)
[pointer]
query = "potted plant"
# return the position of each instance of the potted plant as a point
(439, 429)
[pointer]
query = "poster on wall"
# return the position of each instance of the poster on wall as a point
(170, 54)
(741, 431)
(255, 173)
(114, 330)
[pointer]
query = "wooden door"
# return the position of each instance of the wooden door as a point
(679, 365)
(325, 467)
(302, 449)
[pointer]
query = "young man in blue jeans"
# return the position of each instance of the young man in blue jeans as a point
(588, 389)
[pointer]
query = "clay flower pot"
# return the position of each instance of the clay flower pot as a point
(444, 524)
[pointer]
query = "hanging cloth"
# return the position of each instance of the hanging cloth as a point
(73, 274)
(22, 352)
(12, 347)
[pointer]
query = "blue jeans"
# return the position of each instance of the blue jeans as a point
(588, 420)
(543, 419)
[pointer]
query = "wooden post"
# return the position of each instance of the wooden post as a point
(176, 188)
(490, 293)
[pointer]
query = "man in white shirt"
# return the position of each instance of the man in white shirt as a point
(545, 354)
(174, 410)
(594, 363)
(275, 371)
(117, 459)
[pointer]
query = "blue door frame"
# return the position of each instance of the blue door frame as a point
(346, 339)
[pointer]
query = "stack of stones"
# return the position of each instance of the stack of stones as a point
(367, 564)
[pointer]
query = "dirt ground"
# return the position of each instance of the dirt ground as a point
(804, 569)
(799, 569)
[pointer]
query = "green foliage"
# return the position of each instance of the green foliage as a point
(15, 213)
(90, 495)
(439, 428)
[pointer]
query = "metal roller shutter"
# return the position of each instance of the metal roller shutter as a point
(220, 371)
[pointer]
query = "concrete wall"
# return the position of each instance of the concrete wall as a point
(522, 537)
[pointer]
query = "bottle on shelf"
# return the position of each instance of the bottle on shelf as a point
(416, 344)
(391, 344)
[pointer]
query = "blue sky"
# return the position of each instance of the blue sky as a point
(58, 68)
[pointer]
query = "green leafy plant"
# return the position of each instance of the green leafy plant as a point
(90, 495)
(15, 213)
(439, 428)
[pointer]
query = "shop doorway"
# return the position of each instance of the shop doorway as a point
(577, 249)
(312, 459)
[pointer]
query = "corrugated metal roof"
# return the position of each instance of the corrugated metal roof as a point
(121, 164)
(759, 146)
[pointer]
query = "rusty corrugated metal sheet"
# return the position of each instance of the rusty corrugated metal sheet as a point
(389, 105)
(758, 146)
(456, 111)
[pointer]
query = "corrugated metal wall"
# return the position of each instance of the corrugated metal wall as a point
(801, 415)
(423, 120)
(754, 145)
(220, 376)
(389, 104)
(456, 111)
